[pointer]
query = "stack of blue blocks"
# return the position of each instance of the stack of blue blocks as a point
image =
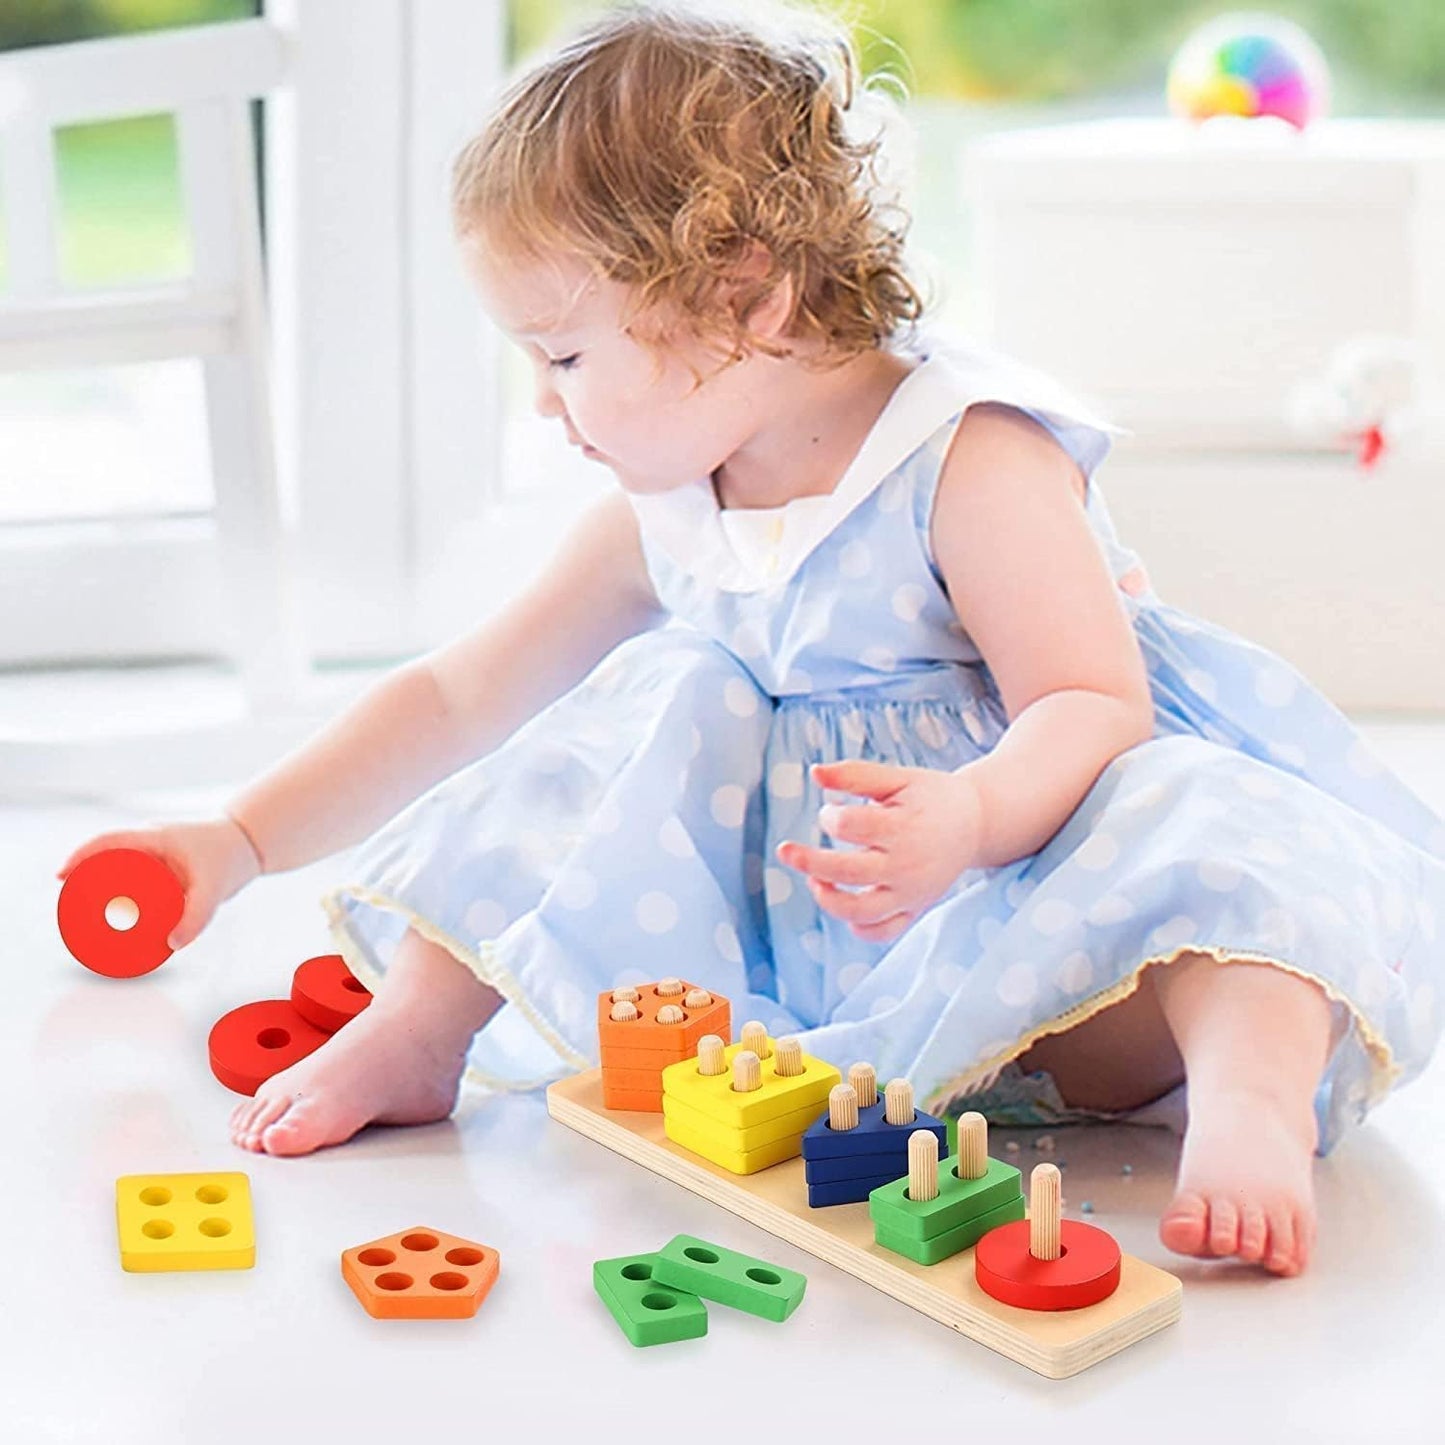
(846, 1167)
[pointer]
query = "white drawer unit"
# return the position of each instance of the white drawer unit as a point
(1189, 280)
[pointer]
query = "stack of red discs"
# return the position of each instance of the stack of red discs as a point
(252, 1042)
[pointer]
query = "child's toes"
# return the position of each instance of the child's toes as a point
(308, 1125)
(1185, 1224)
(1253, 1233)
(264, 1117)
(241, 1120)
(1223, 1226)
(1281, 1258)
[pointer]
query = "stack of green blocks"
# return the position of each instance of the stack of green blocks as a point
(964, 1211)
(658, 1298)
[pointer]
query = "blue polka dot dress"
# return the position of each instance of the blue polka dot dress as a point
(628, 831)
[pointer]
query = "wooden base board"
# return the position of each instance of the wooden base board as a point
(1056, 1344)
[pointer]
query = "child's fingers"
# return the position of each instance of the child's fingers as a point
(867, 780)
(194, 917)
(863, 868)
(864, 823)
(871, 906)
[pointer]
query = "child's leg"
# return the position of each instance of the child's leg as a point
(1253, 1041)
(398, 1062)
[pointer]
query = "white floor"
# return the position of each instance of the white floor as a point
(108, 1078)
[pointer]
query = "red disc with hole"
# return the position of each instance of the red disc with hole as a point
(96, 882)
(326, 993)
(252, 1042)
(1086, 1272)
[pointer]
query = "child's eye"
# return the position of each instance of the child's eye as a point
(564, 363)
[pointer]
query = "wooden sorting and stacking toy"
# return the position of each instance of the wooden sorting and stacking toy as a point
(745, 1107)
(119, 876)
(1056, 1343)
(646, 1311)
(934, 1212)
(253, 1042)
(326, 993)
(1047, 1262)
(643, 1029)
(862, 1141)
(184, 1221)
(421, 1274)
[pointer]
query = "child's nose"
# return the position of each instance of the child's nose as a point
(544, 396)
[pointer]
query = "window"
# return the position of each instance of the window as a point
(124, 440)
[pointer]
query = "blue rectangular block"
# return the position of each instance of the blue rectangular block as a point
(845, 1191)
(856, 1166)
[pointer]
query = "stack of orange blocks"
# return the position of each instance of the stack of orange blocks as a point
(645, 1028)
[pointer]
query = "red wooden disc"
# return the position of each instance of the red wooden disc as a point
(98, 880)
(1086, 1272)
(252, 1042)
(326, 993)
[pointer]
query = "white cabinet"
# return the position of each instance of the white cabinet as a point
(1187, 280)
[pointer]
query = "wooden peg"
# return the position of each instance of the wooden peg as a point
(755, 1038)
(710, 1059)
(671, 988)
(972, 1146)
(922, 1166)
(669, 1013)
(623, 1012)
(626, 994)
(697, 998)
(898, 1102)
(842, 1107)
(865, 1084)
(1044, 1191)
(747, 1072)
(790, 1057)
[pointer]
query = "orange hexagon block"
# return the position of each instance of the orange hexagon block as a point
(421, 1274)
(645, 1035)
(636, 1050)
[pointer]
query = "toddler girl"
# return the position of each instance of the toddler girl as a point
(845, 701)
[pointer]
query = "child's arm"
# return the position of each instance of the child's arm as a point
(1027, 580)
(431, 716)
(1030, 586)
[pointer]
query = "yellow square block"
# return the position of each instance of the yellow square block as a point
(184, 1221)
(716, 1098)
(770, 1131)
(709, 1146)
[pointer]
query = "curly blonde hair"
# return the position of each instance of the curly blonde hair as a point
(676, 152)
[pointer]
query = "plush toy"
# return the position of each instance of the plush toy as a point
(1249, 65)
(1372, 398)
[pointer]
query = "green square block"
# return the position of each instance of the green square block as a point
(732, 1279)
(951, 1241)
(648, 1312)
(959, 1200)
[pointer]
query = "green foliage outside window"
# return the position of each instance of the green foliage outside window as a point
(1386, 54)
(48, 22)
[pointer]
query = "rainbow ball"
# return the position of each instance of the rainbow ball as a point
(1250, 65)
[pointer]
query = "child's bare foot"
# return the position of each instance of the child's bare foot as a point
(384, 1067)
(1245, 1185)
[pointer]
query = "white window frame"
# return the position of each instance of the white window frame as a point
(388, 391)
(388, 379)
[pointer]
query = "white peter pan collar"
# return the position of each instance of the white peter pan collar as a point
(687, 523)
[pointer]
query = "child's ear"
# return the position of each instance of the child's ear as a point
(766, 310)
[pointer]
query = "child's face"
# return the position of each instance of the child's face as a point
(636, 408)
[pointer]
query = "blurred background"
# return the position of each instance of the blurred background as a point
(413, 488)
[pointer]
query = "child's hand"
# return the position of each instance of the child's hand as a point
(213, 860)
(920, 832)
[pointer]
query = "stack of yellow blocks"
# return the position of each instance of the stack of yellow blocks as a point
(745, 1132)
